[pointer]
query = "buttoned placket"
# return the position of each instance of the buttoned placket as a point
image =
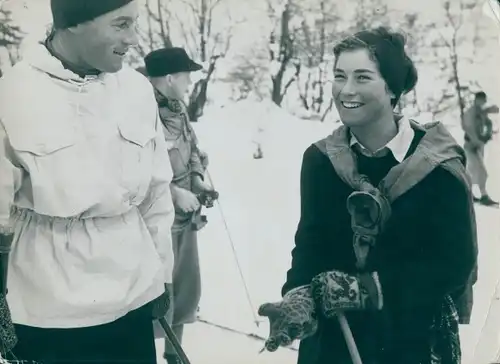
(87, 80)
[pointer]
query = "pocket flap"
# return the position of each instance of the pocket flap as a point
(43, 143)
(138, 134)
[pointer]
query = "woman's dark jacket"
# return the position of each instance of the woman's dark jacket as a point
(426, 252)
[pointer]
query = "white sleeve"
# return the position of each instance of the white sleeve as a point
(10, 181)
(157, 209)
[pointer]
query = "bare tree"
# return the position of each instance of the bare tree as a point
(249, 76)
(10, 35)
(155, 33)
(194, 32)
(282, 51)
(208, 44)
(447, 50)
(311, 43)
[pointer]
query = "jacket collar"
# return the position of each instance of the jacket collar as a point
(399, 145)
(39, 57)
(174, 105)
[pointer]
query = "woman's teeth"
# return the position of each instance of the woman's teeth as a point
(351, 105)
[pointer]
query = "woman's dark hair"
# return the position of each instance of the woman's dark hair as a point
(387, 50)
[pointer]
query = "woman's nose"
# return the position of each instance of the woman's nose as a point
(349, 88)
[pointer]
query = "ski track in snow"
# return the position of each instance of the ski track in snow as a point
(259, 200)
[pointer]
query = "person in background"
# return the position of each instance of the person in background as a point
(85, 192)
(387, 232)
(169, 71)
(478, 129)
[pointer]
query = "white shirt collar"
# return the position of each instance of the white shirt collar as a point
(399, 145)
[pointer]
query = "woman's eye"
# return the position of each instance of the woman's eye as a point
(363, 78)
(339, 77)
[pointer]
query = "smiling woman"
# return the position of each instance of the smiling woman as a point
(387, 231)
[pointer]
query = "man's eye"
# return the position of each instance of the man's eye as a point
(123, 25)
(339, 77)
(364, 78)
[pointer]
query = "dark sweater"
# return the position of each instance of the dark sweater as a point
(425, 253)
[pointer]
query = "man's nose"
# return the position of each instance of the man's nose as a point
(131, 37)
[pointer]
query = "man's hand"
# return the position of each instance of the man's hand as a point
(184, 200)
(203, 158)
(200, 186)
(161, 304)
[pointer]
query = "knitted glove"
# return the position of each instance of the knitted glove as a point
(161, 304)
(335, 291)
(291, 319)
(8, 338)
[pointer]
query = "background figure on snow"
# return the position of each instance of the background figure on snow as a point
(169, 72)
(478, 129)
(85, 190)
(387, 229)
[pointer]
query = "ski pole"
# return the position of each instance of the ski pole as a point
(235, 255)
(173, 340)
(6, 237)
(349, 339)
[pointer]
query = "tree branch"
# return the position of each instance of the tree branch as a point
(161, 21)
(187, 35)
(194, 10)
(445, 41)
(214, 4)
(292, 79)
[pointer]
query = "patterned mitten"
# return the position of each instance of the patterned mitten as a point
(8, 338)
(335, 291)
(291, 319)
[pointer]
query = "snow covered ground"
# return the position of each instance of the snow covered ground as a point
(258, 215)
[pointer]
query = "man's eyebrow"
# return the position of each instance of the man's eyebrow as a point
(125, 18)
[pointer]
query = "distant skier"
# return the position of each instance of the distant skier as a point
(478, 129)
(169, 71)
(387, 229)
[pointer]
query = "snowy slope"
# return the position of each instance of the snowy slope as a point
(259, 200)
(260, 203)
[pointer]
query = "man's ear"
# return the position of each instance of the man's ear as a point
(170, 80)
(75, 30)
